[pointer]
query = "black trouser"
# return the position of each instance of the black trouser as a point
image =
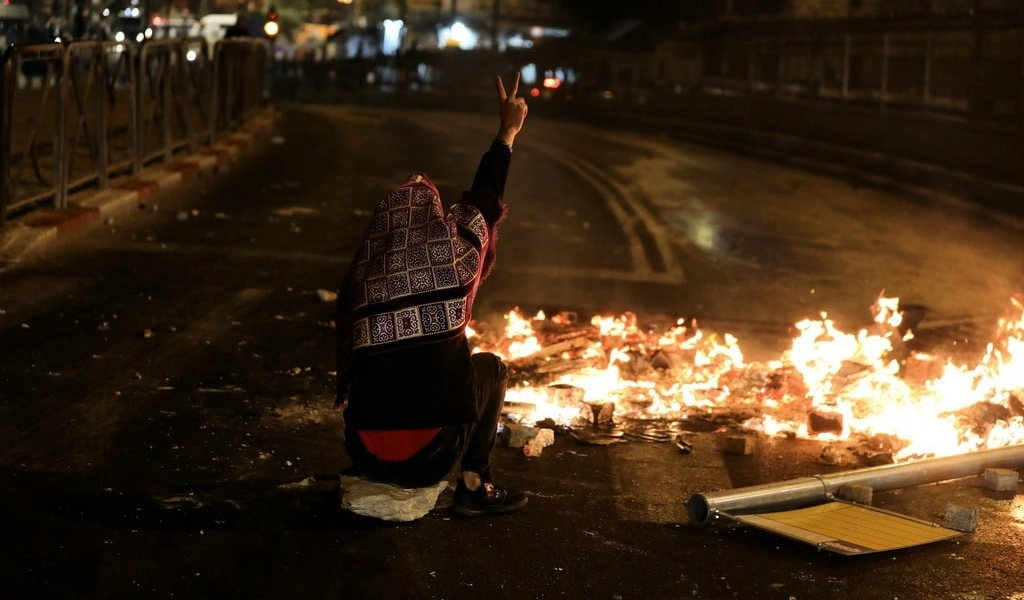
(473, 441)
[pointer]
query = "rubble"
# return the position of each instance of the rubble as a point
(876, 450)
(304, 483)
(960, 518)
(609, 372)
(684, 446)
(515, 435)
(543, 439)
(603, 413)
(856, 492)
(326, 295)
(831, 455)
(1001, 480)
(388, 502)
(741, 445)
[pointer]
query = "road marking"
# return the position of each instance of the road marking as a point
(625, 207)
(613, 191)
(590, 174)
(630, 213)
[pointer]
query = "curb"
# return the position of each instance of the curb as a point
(43, 229)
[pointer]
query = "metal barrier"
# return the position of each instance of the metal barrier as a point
(165, 101)
(101, 133)
(74, 116)
(968, 66)
(239, 73)
(30, 149)
(965, 65)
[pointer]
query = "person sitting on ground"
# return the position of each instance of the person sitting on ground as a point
(416, 401)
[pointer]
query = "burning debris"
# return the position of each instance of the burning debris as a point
(613, 378)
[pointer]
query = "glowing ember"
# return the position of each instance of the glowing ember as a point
(864, 385)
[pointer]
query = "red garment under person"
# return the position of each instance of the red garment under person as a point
(397, 444)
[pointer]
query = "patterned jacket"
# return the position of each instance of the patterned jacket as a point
(403, 357)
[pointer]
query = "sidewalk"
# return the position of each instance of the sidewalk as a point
(40, 230)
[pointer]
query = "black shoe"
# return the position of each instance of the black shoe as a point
(488, 499)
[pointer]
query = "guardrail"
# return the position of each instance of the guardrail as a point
(74, 116)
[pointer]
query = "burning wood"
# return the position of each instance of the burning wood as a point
(829, 385)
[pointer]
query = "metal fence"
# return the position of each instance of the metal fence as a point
(72, 116)
(956, 63)
(968, 66)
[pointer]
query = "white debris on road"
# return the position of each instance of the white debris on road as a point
(307, 482)
(326, 295)
(544, 438)
(292, 211)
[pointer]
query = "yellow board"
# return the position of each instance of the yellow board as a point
(848, 528)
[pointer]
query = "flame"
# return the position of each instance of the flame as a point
(862, 384)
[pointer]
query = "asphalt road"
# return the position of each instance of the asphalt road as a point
(166, 378)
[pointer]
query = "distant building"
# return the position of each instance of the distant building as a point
(479, 23)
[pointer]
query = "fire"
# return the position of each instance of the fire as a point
(829, 384)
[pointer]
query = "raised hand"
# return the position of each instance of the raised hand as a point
(511, 109)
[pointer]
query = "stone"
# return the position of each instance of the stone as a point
(822, 421)
(1001, 480)
(961, 518)
(603, 413)
(738, 445)
(515, 435)
(326, 295)
(388, 502)
(856, 492)
(831, 455)
(544, 438)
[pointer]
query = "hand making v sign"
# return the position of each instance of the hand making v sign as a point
(511, 109)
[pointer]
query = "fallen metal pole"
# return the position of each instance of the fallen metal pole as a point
(703, 508)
